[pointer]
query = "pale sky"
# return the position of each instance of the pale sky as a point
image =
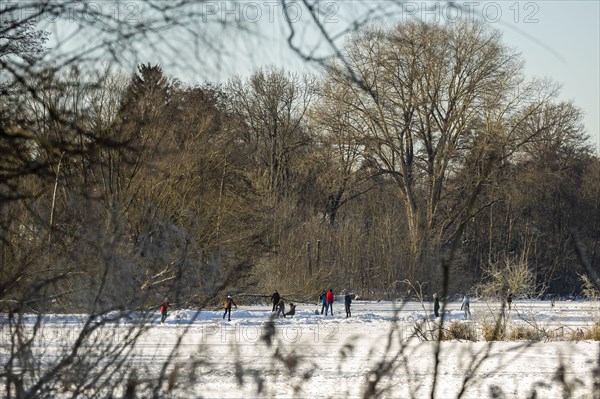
(564, 45)
(558, 39)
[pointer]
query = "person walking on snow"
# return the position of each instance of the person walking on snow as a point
(436, 305)
(164, 306)
(323, 299)
(465, 305)
(347, 303)
(329, 298)
(509, 300)
(281, 308)
(228, 303)
(275, 299)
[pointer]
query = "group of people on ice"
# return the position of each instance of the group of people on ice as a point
(279, 306)
(278, 302)
(465, 306)
(327, 298)
(165, 305)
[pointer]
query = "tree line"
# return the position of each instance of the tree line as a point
(424, 142)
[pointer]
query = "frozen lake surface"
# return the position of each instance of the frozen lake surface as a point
(311, 355)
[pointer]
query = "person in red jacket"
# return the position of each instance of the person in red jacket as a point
(329, 298)
(164, 306)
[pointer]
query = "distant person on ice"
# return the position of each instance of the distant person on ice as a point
(509, 300)
(228, 303)
(275, 299)
(436, 305)
(329, 299)
(281, 308)
(465, 305)
(292, 310)
(323, 299)
(164, 306)
(347, 303)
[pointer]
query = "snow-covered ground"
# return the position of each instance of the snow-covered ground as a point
(317, 356)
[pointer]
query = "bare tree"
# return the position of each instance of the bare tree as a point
(345, 175)
(116, 191)
(272, 105)
(421, 93)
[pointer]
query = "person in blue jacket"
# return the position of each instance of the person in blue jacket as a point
(323, 299)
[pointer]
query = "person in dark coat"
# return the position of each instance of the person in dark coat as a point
(436, 305)
(347, 303)
(292, 310)
(164, 307)
(275, 299)
(329, 298)
(228, 303)
(509, 300)
(281, 308)
(323, 299)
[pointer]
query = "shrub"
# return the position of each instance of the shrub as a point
(460, 331)
(576, 335)
(527, 333)
(593, 332)
(587, 333)
(557, 334)
(426, 331)
(493, 331)
(588, 288)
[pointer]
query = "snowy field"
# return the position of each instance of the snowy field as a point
(316, 356)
